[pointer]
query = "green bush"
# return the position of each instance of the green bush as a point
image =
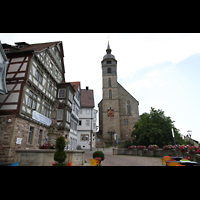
(60, 155)
(60, 143)
(99, 154)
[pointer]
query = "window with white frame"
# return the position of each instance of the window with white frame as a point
(46, 111)
(68, 116)
(87, 122)
(94, 114)
(40, 137)
(94, 126)
(87, 111)
(30, 135)
(61, 93)
(60, 114)
(50, 87)
(125, 121)
(84, 137)
(32, 100)
(70, 96)
(38, 75)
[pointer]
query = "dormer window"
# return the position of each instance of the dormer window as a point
(6, 50)
(20, 46)
(108, 61)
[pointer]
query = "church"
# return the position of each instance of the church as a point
(118, 109)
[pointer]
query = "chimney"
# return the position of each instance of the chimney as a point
(87, 87)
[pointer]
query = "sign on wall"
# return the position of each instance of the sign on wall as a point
(41, 118)
(110, 112)
(19, 141)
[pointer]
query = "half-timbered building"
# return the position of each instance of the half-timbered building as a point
(3, 66)
(34, 74)
(76, 105)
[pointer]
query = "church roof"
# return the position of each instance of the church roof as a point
(87, 98)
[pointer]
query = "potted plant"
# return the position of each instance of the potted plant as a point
(198, 151)
(140, 147)
(60, 155)
(99, 154)
(132, 147)
(177, 146)
(153, 147)
(183, 148)
(47, 146)
(168, 147)
(192, 149)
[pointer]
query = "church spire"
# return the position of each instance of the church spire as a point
(108, 50)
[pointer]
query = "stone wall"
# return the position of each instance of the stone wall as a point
(17, 128)
(44, 157)
(155, 153)
(124, 98)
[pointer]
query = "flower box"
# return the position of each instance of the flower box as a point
(153, 147)
(168, 147)
(139, 147)
(47, 146)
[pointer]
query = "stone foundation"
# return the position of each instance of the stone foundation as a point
(45, 157)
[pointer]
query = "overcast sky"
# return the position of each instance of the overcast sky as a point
(160, 70)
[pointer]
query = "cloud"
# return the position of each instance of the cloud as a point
(153, 73)
(139, 85)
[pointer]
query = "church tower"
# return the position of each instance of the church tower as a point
(110, 101)
(118, 109)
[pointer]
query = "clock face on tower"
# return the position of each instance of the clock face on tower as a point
(110, 112)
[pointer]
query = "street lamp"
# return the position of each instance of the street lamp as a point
(190, 131)
(173, 136)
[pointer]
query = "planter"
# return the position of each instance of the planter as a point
(158, 152)
(184, 151)
(145, 152)
(134, 151)
(139, 152)
(150, 152)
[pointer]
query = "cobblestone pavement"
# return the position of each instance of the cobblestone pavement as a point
(123, 160)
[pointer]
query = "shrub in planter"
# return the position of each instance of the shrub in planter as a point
(99, 154)
(60, 155)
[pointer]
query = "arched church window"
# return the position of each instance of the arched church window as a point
(128, 108)
(109, 70)
(109, 82)
(110, 94)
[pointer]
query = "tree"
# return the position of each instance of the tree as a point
(155, 128)
(60, 155)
